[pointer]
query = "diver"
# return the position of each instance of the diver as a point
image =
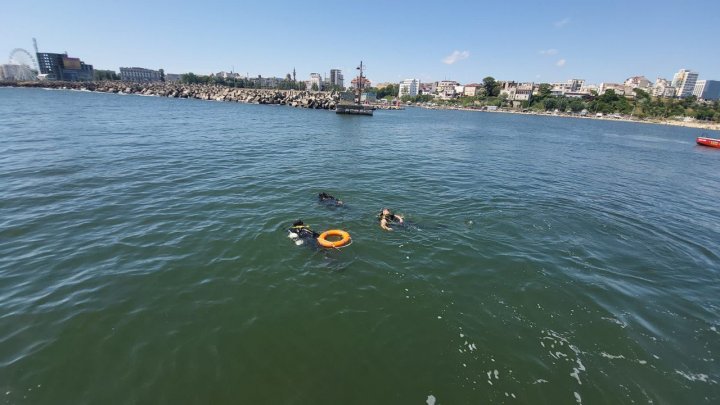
(329, 200)
(301, 233)
(386, 218)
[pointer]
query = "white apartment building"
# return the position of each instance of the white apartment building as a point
(315, 79)
(618, 88)
(699, 88)
(570, 86)
(663, 88)
(523, 91)
(684, 81)
(638, 82)
(446, 88)
(409, 87)
(517, 91)
(472, 89)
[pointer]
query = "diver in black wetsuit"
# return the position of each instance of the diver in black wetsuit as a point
(329, 200)
(302, 233)
(386, 218)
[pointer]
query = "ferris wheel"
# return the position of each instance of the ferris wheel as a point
(19, 56)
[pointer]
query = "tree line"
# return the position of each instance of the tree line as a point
(244, 83)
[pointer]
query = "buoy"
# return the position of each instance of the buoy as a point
(345, 238)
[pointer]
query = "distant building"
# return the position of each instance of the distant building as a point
(409, 87)
(517, 93)
(684, 81)
(699, 88)
(59, 66)
(368, 97)
(365, 82)
(618, 88)
(446, 88)
(472, 89)
(663, 88)
(589, 89)
(638, 82)
(428, 88)
(228, 75)
(709, 90)
(268, 82)
(570, 86)
(172, 77)
(508, 89)
(17, 73)
(138, 74)
(336, 78)
(315, 79)
(523, 91)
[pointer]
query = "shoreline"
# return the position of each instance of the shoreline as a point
(708, 126)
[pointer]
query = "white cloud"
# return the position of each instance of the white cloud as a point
(455, 57)
(560, 63)
(562, 23)
(549, 52)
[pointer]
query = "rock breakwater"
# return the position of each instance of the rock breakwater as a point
(294, 98)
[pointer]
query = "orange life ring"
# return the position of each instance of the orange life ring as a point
(322, 239)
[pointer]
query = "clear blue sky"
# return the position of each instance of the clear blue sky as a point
(538, 41)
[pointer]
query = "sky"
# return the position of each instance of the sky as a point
(522, 40)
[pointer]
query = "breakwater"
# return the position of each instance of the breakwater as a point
(295, 98)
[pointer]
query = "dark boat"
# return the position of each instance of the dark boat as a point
(351, 103)
(711, 142)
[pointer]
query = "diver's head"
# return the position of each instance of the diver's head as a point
(385, 211)
(299, 222)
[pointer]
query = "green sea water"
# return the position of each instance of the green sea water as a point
(144, 256)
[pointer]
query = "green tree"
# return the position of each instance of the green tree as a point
(314, 87)
(576, 105)
(189, 78)
(544, 90)
(491, 86)
(105, 75)
(609, 96)
(550, 103)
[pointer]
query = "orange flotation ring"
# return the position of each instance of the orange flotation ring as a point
(345, 238)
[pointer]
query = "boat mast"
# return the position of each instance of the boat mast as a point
(360, 83)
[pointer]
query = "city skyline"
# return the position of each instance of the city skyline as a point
(551, 42)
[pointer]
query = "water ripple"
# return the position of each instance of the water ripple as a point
(144, 256)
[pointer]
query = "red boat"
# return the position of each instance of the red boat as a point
(711, 142)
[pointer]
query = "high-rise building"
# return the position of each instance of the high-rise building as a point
(699, 88)
(684, 81)
(709, 90)
(59, 66)
(409, 87)
(336, 78)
